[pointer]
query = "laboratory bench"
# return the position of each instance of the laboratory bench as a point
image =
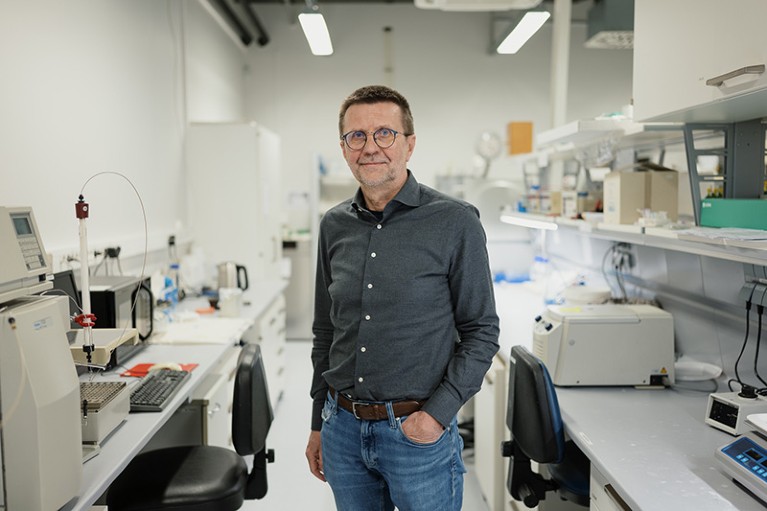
(214, 346)
(127, 440)
(653, 447)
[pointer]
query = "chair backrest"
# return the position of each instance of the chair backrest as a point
(533, 410)
(252, 414)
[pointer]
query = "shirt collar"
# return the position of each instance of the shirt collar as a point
(409, 194)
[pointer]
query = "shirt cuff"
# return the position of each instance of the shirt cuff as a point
(317, 406)
(442, 406)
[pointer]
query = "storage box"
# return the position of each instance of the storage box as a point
(624, 196)
(662, 192)
(743, 213)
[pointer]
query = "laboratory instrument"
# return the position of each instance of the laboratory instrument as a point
(39, 390)
(155, 389)
(95, 349)
(105, 405)
(745, 461)
(728, 410)
(607, 344)
(122, 301)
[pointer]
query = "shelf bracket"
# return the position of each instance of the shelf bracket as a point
(742, 156)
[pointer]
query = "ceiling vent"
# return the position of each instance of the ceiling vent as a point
(476, 5)
(611, 25)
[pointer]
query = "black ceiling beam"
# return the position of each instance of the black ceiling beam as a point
(234, 22)
(263, 37)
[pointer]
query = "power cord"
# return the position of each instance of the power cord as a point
(760, 312)
(745, 341)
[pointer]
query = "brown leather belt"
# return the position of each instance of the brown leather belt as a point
(368, 411)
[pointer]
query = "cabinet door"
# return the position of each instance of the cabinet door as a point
(234, 208)
(271, 199)
(218, 419)
(271, 337)
(216, 394)
(603, 496)
(489, 431)
(680, 45)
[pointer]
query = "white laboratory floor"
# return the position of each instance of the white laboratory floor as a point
(291, 485)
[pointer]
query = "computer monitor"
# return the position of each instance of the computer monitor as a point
(64, 281)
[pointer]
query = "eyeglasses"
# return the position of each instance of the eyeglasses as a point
(383, 137)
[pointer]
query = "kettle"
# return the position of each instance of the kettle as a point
(232, 275)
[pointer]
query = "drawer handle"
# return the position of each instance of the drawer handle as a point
(214, 410)
(748, 70)
(616, 498)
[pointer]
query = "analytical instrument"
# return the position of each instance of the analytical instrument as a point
(606, 344)
(745, 458)
(728, 410)
(39, 390)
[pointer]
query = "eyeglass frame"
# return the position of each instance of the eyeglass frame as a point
(343, 137)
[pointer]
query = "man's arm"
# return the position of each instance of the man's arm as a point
(471, 287)
(322, 328)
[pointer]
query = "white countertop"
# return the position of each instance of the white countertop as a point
(653, 446)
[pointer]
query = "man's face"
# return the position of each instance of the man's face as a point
(372, 166)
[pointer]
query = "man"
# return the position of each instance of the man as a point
(405, 325)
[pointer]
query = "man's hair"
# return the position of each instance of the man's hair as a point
(377, 94)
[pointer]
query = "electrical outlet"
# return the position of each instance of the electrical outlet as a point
(624, 255)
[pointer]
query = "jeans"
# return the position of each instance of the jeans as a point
(373, 466)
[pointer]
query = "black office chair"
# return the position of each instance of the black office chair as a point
(204, 477)
(537, 434)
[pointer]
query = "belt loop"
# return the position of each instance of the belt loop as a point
(390, 414)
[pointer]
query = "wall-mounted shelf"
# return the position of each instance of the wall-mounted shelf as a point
(626, 132)
(740, 245)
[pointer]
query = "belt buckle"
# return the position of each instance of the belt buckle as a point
(354, 410)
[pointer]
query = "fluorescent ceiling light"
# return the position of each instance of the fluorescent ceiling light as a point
(316, 32)
(528, 222)
(527, 26)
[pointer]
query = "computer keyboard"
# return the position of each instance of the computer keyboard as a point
(155, 389)
(97, 394)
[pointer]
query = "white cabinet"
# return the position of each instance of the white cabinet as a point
(269, 332)
(489, 431)
(216, 398)
(234, 199)
(602, 495)
(299, 294)
(680, 45)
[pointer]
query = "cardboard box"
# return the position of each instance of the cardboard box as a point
(662, 192)
(624, 196)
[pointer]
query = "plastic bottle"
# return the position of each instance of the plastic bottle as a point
(539, 272)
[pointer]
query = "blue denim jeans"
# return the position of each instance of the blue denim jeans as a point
(373, 466)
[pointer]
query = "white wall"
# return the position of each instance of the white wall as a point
(91, 87)
(456, 88)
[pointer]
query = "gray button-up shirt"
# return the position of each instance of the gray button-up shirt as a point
(404, 305)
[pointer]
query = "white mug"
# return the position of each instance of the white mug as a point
(229, 301)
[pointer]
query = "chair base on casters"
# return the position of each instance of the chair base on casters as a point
(180, 478)
(572, 475)
(570, 478)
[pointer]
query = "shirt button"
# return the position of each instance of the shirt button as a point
(378, 226)
(363, 349)
(370, 286)
(373, 254)
(367, 317)
(360, 379)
